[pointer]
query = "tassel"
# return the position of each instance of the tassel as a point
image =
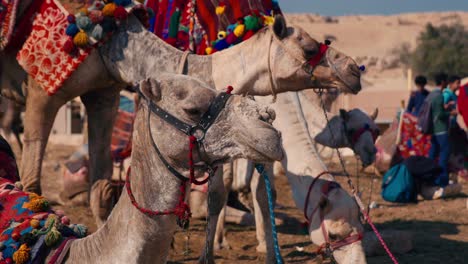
(36, 203)
(80, 230)
(84, 11)
(120, 13)
(220, 9)
(96, 16)
(71, 30)
(209, 50)
(174, 24)
(81, 39)
(71, 19)
(21, 256)
(83, 22)
(97, 32)
(109, 9)
(35, 223)
(52, 237)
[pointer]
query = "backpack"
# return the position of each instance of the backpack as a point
(425, 122)
(398, 185)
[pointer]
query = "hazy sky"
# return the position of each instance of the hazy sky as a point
(346, 7)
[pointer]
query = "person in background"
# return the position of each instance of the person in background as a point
(440, 147)
(450, 98)
(417, 97)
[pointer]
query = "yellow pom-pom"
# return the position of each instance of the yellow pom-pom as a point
(239, 30)
(21, 256)
(84, 11)
(221, 34)
(268, 20)
(36, 203)
(209, 50)
(109, 9)
(220, 10)
(35, 223)
(81, 39)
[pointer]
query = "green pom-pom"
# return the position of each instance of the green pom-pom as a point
(251, 23)
(52, 237)
(80, 230)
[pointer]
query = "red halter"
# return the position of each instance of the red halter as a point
(314, 61)
(327, 245)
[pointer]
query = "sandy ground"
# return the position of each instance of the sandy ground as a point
(439, 228)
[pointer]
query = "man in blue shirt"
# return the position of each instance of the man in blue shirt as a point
(450, 98)
(417, 97)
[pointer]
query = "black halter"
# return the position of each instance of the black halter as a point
(198, 130)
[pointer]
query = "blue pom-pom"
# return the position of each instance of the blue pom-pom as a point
(72, 30)
(231, 28)
(83, 22)
(362, 68)
(221, 44)
(122, 2)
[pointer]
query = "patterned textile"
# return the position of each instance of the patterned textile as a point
(413, 142)
(206, 24)
(42, 56)
(121, 145)
(7, 20)
(25, 224)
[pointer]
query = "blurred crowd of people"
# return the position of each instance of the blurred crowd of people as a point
(447, 102)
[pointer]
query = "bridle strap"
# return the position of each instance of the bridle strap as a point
(183, 59)
(306, 204)
(161, 157)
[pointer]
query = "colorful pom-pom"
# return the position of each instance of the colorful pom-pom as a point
(251, 23)
(71, 30)
(83, 11)
(21, 256)
(8, 261)
(65, 220)
(229, 89)
(36, 203)
(81, 39)
(109, 9)
(209, 50)
(248, 35)
(221, 44)
(230, 28)
(362, 68)
(52, 237)
(71, 18)
(83, 22)
(97, 33)
(123, 2)
(120, 13)
(268, 20)
(231, 39)
(80, 230)
(239, 30)
(16, 236)
(96, 16)
(221, 34)
(220, 9)
(35, 223)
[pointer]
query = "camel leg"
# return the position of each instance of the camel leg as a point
(217, 199)
(220, 240)
(11, 116)
(41, 110)
(101, 107)
(262, 213)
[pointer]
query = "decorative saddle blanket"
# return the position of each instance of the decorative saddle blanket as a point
(7, 20)
(413, 141)
(207, 26)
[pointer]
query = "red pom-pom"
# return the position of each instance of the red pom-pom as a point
(69, 46)
(8, 261)
(231, 39)
(229, 89)
(248, 34)
(71, 19)
(16, 236)
(120, 13)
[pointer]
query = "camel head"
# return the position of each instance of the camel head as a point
(341, 221)
(241, 130)
(352, 129)
(302, 62)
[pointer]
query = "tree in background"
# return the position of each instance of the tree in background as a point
(443, 48)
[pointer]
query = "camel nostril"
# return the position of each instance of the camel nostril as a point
(272, 113)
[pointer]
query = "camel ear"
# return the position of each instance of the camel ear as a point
(279, 27)
(344, 115)
(151, 89)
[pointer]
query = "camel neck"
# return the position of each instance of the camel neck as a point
(129, 236)
(135, 54)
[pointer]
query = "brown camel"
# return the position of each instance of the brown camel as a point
(273, 61)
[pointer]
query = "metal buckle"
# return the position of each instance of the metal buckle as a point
(198, 132)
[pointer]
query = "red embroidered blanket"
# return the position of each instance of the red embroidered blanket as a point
(43, 56)
(7, 20)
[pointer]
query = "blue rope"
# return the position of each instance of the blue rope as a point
(261, 169)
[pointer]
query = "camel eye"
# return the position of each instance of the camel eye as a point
(310, 52)
(333, 237)
(193, 112)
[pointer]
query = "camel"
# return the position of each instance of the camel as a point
(300, 118)
(239, 130)
(133, 54)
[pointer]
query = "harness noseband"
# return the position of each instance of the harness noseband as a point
(327, 247)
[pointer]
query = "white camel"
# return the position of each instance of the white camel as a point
(299, 118)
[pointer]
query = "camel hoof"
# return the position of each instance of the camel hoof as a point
(261, 248)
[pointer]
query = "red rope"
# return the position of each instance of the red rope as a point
(182, 210)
